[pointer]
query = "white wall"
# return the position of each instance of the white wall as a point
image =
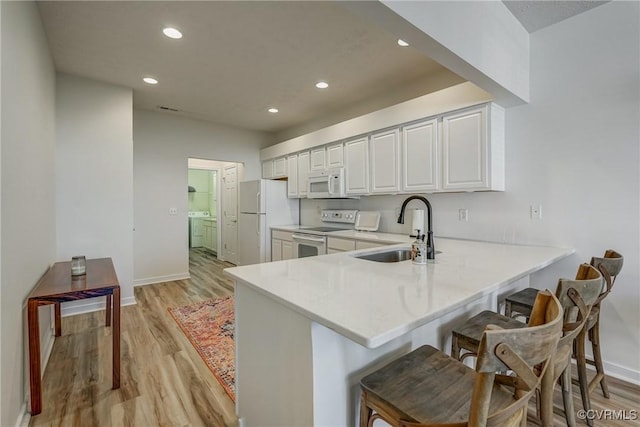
(27, 194)
(575, 150)
(94, 176)
(162, 145)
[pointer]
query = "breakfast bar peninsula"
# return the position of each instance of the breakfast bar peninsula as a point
(308, 329)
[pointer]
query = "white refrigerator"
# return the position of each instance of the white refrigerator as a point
(262, 204)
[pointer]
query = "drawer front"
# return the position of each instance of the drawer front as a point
(282, 235)
(341, 244)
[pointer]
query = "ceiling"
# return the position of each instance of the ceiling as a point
(237, 59)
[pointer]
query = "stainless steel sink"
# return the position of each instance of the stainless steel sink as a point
(393, 255)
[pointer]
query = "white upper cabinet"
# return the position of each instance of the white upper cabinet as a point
(420, 157)
(292, 180)
(335, 156)
(303, 173)
(267, 169)
(356, 165)
(462, 150)
(385, 161)
(473, 149)
(280, 168)
(318, 156)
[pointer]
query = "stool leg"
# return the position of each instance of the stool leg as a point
(365, 411)
(581, 362)
(507, 308)
(455, 348)
(544, 404)
(567, 396)
(597, 357)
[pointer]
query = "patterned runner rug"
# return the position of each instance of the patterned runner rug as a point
(209, 325)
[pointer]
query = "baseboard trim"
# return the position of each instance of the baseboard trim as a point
(81, 308)
(622, 373)
(161, 279)
(25, 416)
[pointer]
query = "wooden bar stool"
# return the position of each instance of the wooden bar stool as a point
(427, 387)
(576, 297)
(609, 265)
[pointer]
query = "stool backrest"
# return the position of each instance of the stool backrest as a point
(577, 297)
(610, 266)
(520, 351)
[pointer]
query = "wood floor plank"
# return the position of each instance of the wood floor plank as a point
(165, 382)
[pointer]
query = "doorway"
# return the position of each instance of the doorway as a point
(212, 207)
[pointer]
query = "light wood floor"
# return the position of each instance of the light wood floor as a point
(164, 380)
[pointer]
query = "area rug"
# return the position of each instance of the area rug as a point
(209, 325)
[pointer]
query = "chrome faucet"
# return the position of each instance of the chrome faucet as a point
(431, 250)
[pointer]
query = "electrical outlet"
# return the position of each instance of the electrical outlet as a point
(463, 215)
(536, 212)
(173, 211)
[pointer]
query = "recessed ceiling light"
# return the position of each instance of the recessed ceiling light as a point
(402, 43)
(150, 80)
(173, 33)
(322, 85)
(272, 110)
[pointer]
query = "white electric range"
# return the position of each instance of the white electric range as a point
(313, 241)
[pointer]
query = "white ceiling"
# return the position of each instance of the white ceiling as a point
(239, 58)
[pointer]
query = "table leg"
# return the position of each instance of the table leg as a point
(58, 322)
(115, 333)
(34, 357)
(107, 320)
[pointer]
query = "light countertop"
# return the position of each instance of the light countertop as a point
(372, 303)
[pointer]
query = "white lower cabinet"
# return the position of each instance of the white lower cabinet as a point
(281, 245)
(341, 244)
(210, 240)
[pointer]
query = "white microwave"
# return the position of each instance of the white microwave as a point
(326, 184)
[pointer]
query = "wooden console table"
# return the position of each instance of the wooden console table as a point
(57, 286)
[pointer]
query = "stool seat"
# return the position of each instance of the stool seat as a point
(406, 381)
(468, 336)
(520, 303)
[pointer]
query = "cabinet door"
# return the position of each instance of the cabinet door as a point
(280, 168)
(287, 250)
(420, 159)
(276, 250)
(303, 173)
(292, 180)
(206, 242)
(464, 150)
(267, 169)
(356, 163)
(318, 159)
(334, 156)
(385, 161)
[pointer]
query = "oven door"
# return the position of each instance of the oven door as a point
(306, 245)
